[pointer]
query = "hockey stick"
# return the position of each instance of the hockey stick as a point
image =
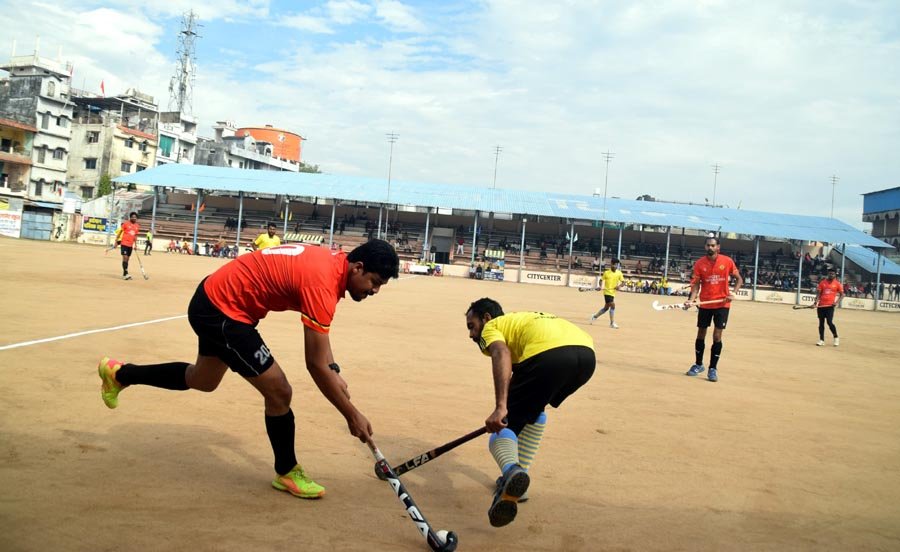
(588, 289)
(141, 264)
(674, 306)
(417, 461)
(798, 307)
(438, 541)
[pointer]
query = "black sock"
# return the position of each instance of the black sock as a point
(169, 375)
(716, 350)
(699, 345)
(124, 268)
(281, 435)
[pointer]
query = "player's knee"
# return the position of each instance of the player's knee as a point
(281, 394)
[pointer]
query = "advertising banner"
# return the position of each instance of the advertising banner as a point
(10, 223)
(543, 278)
(96, 224)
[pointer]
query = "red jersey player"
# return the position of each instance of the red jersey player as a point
(224, 313)
(712, 280)
(828, 295)
(126, 236)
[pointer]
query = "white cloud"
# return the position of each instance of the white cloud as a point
(345, 12)
(398, 16)
(306, 23)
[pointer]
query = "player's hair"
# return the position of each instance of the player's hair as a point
(614, 261)
(485, 305)
(271, 225)
(714, 238)
(132, 213)
(377, 256)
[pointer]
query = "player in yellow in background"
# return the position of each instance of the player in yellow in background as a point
(537, 359)
(612, 279)
(269, 239)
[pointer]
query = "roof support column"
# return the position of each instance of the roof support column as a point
(475, 237)
(755, 270)
(237, 241)
(799, 273)
(878, 281)
(843, 257)
(619, 250)
(287, 214)
(571, 247)
(331, 231)
(425, 243)
(378, 234)
(153, 212)
(668, 238)
(522, 251)
(197, 218)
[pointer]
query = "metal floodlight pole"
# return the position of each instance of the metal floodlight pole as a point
(497, 150)
(716, 170)
(392, 138)
(607, 156)
(834, 181)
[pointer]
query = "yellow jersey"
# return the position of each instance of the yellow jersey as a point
(527, 334)
(263, 241)
(611, 280)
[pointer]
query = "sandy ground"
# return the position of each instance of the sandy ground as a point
(796, 448)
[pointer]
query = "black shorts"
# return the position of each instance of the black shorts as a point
(546, 378)
(237, 344)
(825, 313)
(609, 298)
(126, 250)
(705, 316)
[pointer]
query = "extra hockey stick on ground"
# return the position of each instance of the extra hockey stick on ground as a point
(798, 307)
(438, 541)
(417, 461)
(588, 289)
(675, 306)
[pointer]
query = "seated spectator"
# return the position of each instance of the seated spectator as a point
(172, 247)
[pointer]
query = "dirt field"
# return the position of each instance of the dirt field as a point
(797, 447)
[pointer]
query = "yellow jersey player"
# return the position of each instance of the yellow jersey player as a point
(612, 280)
(269, 239)
(537, 359)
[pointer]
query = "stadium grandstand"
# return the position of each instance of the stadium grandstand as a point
(547, 237)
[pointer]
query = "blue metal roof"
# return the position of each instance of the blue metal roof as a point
(547, 203)
(881, 201)
(868, 259)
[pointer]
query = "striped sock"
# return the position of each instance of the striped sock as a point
(504, 447)
(530, 440)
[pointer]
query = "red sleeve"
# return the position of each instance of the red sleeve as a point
(318, 308)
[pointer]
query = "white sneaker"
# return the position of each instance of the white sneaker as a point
(819, 343)
(126, 277)
(837, 341)
(614, 326)
(591, 319)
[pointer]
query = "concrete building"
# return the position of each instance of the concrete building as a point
(16, 140)
(229, 149)
(177, 138)
(882, 209)
(111, 136)
(36, 95)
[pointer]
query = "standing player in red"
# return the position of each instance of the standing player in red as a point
(711, 280)
(224, 313)
(828, 295)
(126, 237)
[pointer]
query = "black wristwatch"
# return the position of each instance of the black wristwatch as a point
(334, 366)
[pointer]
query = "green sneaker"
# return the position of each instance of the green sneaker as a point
(296, 483)
(109, 390)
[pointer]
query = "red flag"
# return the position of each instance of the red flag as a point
(102, 89)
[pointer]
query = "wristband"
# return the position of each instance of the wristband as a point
(334, 366)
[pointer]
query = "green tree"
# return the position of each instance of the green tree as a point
(309, 168)
(105, 186)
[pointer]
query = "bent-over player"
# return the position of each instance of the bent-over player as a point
(828, 294)
(711, 280)
(537, 359)
(224, 313)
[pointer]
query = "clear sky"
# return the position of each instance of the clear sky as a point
(782, 95)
